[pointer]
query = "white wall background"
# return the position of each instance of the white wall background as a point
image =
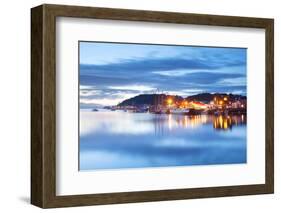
(15, 105)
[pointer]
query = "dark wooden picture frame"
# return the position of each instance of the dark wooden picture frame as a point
(43, 105)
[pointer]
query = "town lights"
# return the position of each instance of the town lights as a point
(183, 104)
(169, 101)
(225, 98)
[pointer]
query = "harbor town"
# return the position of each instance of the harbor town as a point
(160, 105)
(204, 103)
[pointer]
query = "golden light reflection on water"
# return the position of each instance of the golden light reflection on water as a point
(170, 121)
(219, 122)
(145, 123)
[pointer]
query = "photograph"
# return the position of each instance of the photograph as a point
(170, 105)
(160, 105)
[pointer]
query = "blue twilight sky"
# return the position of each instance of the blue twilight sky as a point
(113, 72)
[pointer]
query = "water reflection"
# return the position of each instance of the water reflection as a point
(227, 122)
(183, 121)
(114, 140)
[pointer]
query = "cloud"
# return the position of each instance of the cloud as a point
(88, 92)
(240, 81)
(157, 64)
(186, 92)
(100, 101)
(134, 69)
(174, 72)
(112, 90)
(139, 88)
(86, 87)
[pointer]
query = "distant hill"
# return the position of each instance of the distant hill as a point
(152, 99)
(148, 99)
(202, 97)
(207, 97)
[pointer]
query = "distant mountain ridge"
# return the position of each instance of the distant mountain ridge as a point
(147, 99)
(151, 99)
(207, 97)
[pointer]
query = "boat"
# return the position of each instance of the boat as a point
(141, 110)
(95, 110)
(179, 111)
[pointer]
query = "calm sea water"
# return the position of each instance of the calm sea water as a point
(115, 140)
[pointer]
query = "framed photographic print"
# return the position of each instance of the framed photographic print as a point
(135, 106)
